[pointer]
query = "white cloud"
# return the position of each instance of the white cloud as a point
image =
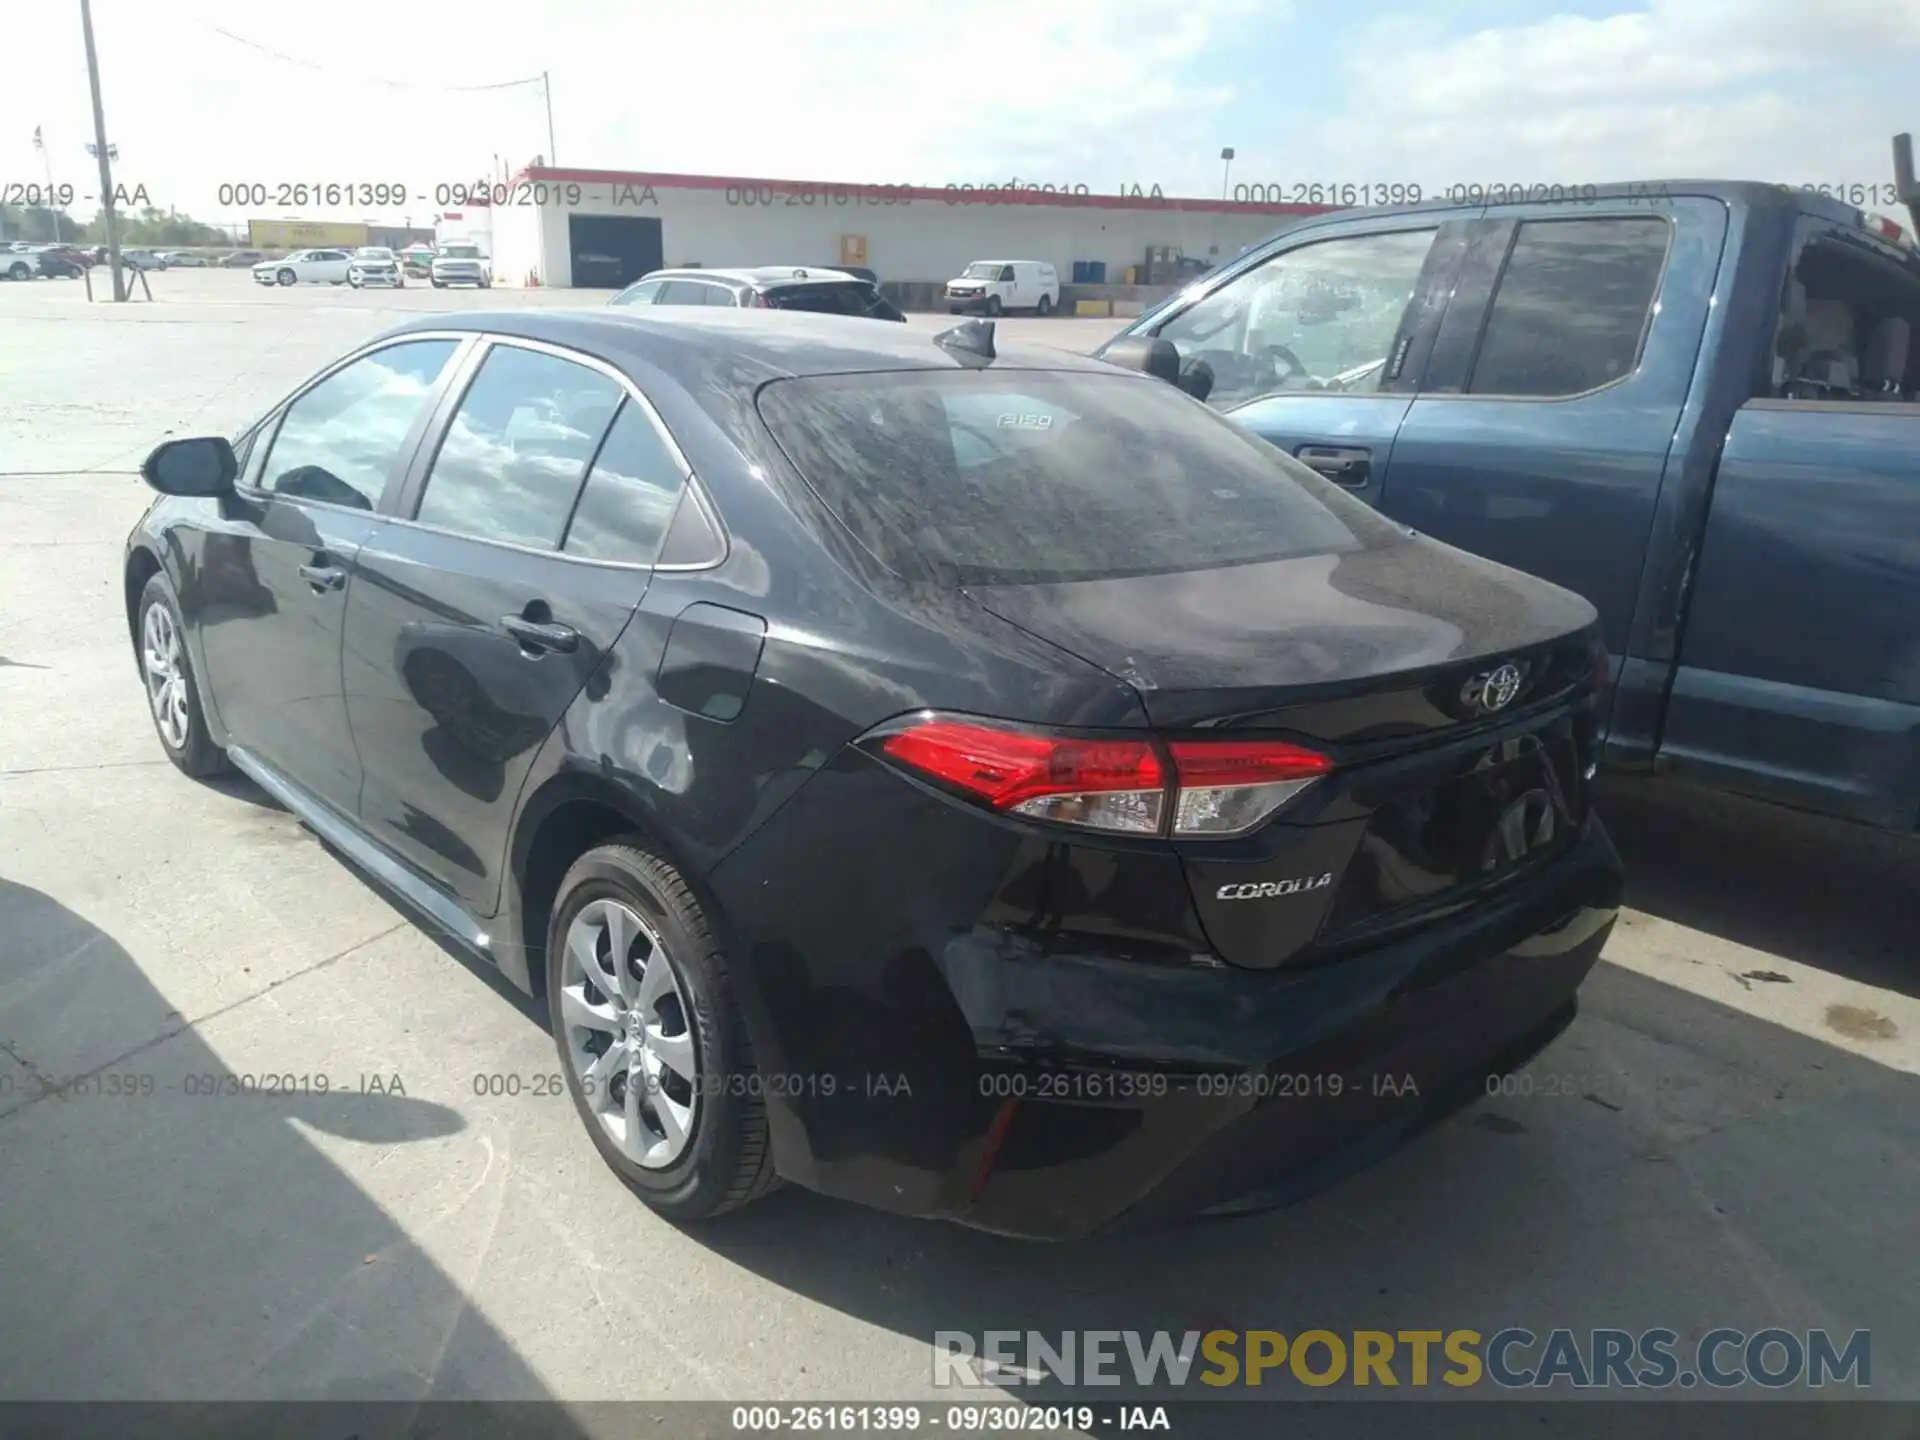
(1724, 88)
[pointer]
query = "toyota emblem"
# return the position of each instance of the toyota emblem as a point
(1492, 689)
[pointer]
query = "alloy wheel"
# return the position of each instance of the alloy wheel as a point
(628, 1033)
(166, 676)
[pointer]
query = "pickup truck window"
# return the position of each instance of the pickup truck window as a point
(1320, 317)
(1572, 307)
(1846, 321)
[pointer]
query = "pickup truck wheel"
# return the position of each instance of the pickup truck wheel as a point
(1044, 308)
(286, 277)
(19, 270)
(652, 1038)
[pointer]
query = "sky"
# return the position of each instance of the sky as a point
(1106, 93)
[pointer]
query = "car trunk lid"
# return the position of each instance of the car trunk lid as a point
(1454, 697)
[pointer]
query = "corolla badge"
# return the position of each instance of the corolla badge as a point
(1268, 889)
(1493, 690)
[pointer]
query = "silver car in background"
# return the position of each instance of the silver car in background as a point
(461, 263)
(375, 265)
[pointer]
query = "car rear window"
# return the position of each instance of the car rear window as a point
(980, 478)
(849, 297)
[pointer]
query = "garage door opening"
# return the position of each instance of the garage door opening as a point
(610, 252)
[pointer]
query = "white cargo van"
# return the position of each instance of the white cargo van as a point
(991, 286)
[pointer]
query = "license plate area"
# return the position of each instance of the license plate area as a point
(1474, 818)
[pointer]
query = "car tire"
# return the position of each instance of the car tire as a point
(286, 277)
(400, 284)
(993, 305)
(18, 271)
(439, 284)
(1045, 307)
(726, 1157)
(176, 712)
(486, 284)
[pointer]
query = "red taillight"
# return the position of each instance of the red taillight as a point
(1229, 786)
(1219, 787)
(1104, 784)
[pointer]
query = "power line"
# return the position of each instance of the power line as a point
(372, 80)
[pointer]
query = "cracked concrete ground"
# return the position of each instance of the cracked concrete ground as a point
(1729, 1135)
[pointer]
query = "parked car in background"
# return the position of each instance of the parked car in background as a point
(65, 262)
(893, 741)
(375, 265)
(20, 262)
(417, 261)
(241, 259)
(460, 262)
(187, 259)
(768, 287)
(143, 260)
(1692, 403)
(991, 286)
(305, 267)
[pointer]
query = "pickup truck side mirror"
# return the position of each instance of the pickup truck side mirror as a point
(1152, 357)
(203, 465)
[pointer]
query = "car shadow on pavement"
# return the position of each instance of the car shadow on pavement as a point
(1836, 896)
(172, 1234)
(1669, 1162)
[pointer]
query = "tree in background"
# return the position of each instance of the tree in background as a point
(38, 225)
(148, 228)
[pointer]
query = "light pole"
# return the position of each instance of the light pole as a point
(546, 91)
(102, 153)
(1226, 155)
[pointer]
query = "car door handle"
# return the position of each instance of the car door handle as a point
(323, 577)
(1338, 463)
(541, 636)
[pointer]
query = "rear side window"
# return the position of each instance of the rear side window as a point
(517, 450)
(1572, 307)
(630, 494)
(978, 478)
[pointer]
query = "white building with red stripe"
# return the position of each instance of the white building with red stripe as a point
(605, 228)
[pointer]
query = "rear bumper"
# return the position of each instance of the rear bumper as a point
(1055, 1094)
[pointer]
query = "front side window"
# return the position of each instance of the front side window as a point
(344, 439)
(1321, 317)
(981, 270)
(630, 493)
(1572, 307)
(513, 458)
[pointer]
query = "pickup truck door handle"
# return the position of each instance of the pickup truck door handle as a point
(1343, 466)
(540, 637)
(323, 577)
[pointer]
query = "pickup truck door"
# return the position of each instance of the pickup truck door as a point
(1318, 339)
(1799, 674)
(1555, 388)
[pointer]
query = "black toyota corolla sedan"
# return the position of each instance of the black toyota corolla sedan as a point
(975, 781)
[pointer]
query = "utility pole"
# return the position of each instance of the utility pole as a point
(546, 90)
(100, 144)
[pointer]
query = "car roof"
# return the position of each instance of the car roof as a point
(754, 346)
(760, 277)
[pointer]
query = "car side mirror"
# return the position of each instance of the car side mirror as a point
(203, 465)
(1197, 380)
(1153, 357)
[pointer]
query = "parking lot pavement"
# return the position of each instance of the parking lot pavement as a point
(1729, 1135)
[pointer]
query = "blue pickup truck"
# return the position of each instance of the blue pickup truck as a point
(1694, 403)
